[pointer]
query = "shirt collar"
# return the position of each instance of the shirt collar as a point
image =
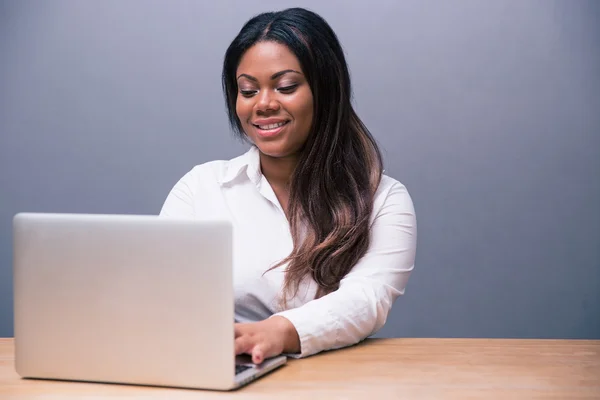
(248, 163)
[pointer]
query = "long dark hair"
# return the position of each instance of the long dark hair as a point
(340, 167)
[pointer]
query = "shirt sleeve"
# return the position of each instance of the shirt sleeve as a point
(180, 201)
(361, 304)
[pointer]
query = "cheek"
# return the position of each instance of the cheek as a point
(243, 110)
(307, 113)
(302, 109)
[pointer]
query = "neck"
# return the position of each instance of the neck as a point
(278, 171)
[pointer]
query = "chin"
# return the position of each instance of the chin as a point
(275, 150)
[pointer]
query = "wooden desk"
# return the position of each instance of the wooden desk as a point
(379, 369)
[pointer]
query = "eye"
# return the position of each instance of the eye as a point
(287, 89)
(248, 93)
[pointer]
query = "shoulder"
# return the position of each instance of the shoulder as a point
(208, 171)
(392, 197)
(216, 171)
(390, 187)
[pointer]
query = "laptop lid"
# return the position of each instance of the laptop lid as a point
(124, 299)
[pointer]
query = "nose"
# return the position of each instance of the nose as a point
(266, 102)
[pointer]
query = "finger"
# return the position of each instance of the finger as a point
(259, 353)
(243, 344)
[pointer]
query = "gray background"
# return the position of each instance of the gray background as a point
(488, 111)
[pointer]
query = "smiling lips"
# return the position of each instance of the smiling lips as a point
(269, 127)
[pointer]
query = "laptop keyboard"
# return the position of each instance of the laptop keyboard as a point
(241, 368)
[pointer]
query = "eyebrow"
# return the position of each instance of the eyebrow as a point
(274, 76)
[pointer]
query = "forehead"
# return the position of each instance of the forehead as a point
(267, 58)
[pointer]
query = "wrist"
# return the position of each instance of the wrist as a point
(287, 330)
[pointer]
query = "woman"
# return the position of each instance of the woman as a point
(325, 242)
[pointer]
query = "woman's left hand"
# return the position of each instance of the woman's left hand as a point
(267, 338)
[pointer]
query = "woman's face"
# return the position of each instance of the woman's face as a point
(274, 101)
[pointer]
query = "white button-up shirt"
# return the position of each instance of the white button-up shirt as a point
(236, 190)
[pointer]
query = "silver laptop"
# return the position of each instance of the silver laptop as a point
(127, 299)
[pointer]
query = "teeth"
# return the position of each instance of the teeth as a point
(271, 126)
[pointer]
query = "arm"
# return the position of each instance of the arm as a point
(361, 304)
